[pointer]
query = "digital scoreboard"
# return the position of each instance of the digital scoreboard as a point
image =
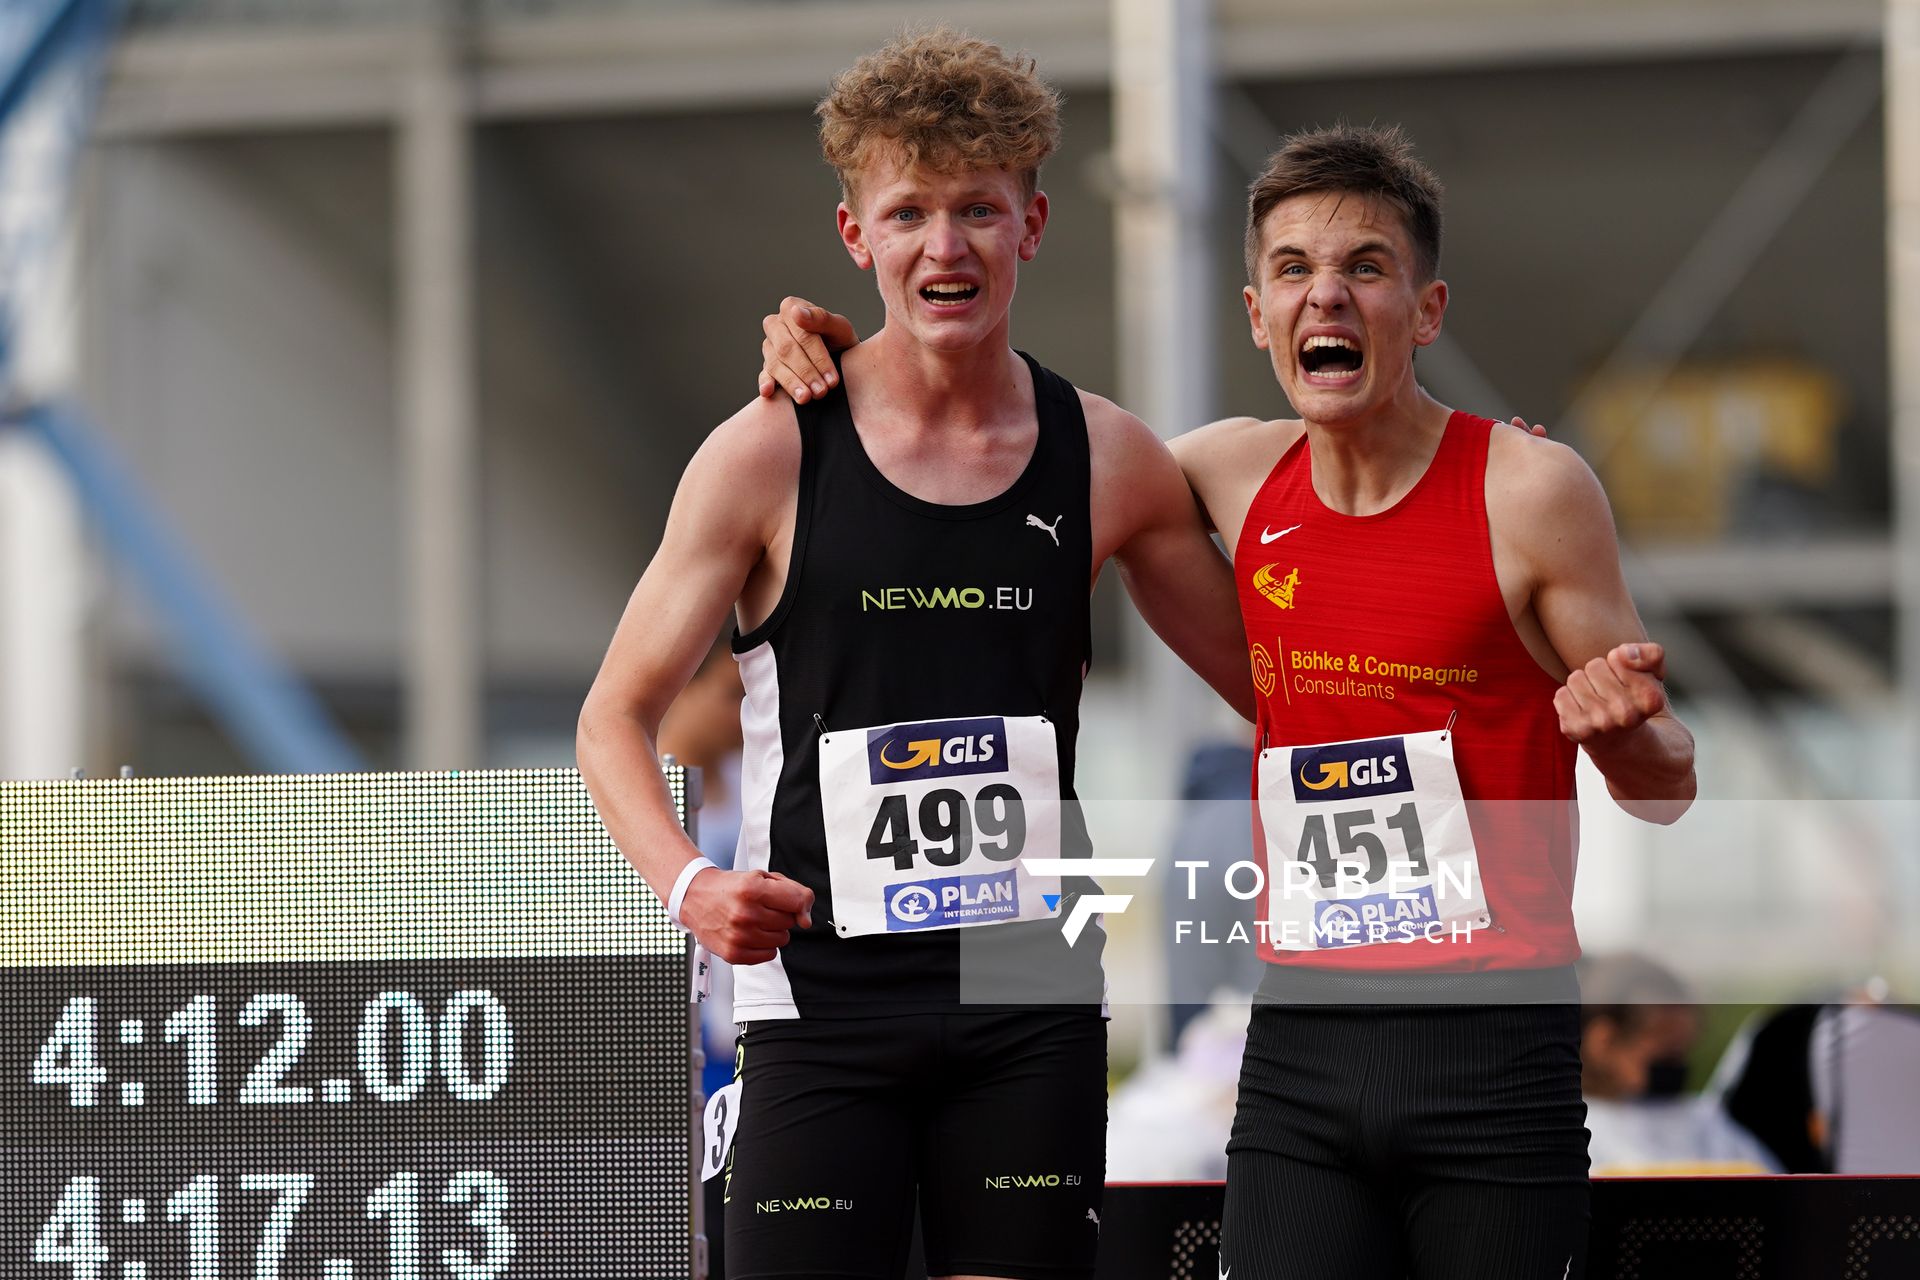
(360, 1027)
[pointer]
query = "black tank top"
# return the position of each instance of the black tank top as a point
(899, 610)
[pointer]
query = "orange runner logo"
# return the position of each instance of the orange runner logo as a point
(1278, 590)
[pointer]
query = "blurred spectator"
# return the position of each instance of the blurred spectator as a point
(1637, 1032)
(1829, 1087)
(1215, 827)
(702, 730)
(1765, 1082)
(1866, 1057)
(1169, 1121)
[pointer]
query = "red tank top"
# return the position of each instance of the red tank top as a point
(1371, 626)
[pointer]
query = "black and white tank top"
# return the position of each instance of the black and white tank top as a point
(919, 653)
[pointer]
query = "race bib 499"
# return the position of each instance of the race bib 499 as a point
(927, 823)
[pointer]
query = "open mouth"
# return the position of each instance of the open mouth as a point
(1331, 357)
(951, 294)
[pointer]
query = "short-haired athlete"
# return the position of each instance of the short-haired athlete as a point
(909, 561)
(1436, 620)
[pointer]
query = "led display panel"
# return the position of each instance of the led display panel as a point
(355, 1027)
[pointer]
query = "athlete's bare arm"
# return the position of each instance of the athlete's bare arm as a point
(1226, 462)
(716, 550)
(1145, 519)
(1557, 559)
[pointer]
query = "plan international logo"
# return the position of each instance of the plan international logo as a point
(939, 904)
(1398, 916)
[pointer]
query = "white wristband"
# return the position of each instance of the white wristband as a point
(679, 894)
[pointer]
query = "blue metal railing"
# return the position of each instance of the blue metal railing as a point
(272, 716)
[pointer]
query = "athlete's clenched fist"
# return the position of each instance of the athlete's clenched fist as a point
(745, 917)
(1620, 691)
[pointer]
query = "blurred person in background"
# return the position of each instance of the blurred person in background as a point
(1765, 1082)
(1638, 1029)
(702, 731)
(1828, 1087)
(1214, 827)
(1169, 1121)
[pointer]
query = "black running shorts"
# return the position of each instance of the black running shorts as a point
(1433, 1142)
(995, 1122)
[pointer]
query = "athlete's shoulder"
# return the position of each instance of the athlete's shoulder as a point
(1237, 440)
(1122, 447)
(1538, 473)
(758, 444)
(756, 451)
(1544, 499)
(1104, 417)
(1234, 441)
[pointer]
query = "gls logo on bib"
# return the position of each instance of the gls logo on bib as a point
(943, 749)
(1350, 770)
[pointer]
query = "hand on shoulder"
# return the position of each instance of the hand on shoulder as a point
(795, 354)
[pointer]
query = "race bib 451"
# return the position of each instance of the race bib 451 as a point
(1367, 842)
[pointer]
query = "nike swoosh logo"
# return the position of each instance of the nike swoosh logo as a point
(1266, 537)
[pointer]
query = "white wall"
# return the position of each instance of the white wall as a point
(240, 328)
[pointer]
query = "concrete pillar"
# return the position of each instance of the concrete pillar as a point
(1163, 170)
(1163, 150)
(44, 587)
(46, 572)
(1902, 88)
(440, 445)
(1162, 167)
